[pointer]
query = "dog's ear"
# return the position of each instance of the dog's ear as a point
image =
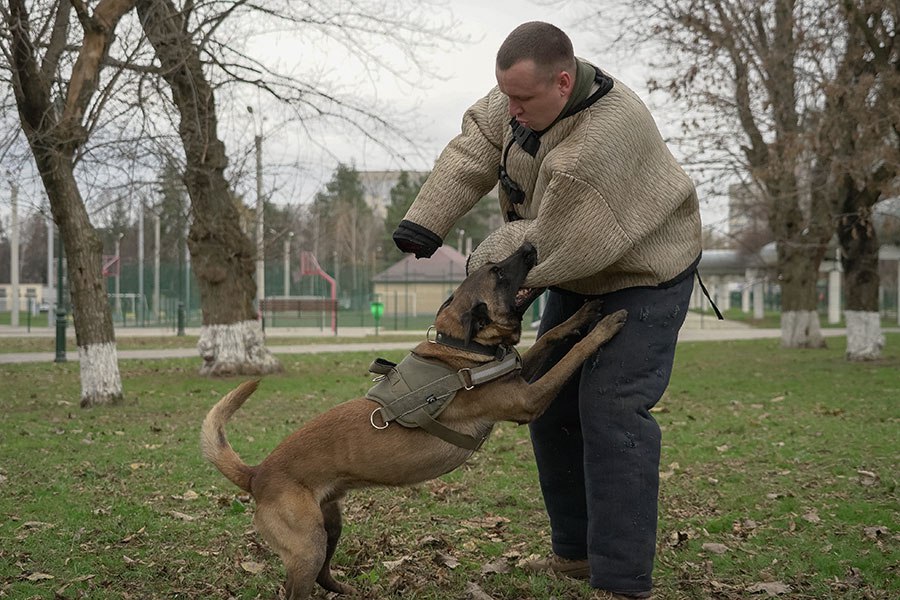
(445, 304)
(474, 320)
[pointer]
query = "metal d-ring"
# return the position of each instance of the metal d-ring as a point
(372, 420)
(466, 374)
(428, 333)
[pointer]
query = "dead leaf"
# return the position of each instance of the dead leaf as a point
(473, 592)
(128, 538)
(446, 560)
(188, 495)
(39, 577)
(867, 478)
(181, 516)
(485, 522)
(722, 448)
(677, 538)
(771, 588)
(715, 548)
(254, 568)
(137, 465)
(873, 533)
(498, 566)
(671, 471)
(812, 517)
(390, 565)
(429, 541)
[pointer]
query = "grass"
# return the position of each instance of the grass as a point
(772, 318)
(779, 468)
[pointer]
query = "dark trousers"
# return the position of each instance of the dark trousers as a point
(597, 447)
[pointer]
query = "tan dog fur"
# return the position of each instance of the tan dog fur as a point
(298, 487)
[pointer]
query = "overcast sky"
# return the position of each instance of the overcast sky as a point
(432, 109)
(459, 76)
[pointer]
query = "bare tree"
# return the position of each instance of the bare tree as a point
(199, 47)
(858, 151)
(232, 340)
(55, 114)
(740, 71)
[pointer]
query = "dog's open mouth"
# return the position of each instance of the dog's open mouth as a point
(525, 296)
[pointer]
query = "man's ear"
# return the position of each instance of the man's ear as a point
(474, 320)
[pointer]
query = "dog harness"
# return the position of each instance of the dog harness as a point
(416, 391)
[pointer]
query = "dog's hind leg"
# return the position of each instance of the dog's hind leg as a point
(293, 525)
(331, 511)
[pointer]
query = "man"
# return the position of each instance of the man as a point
(586, 177)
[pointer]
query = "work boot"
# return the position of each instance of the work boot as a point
(604, 595)
(574, 568)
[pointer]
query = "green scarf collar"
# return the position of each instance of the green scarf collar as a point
(584, 80)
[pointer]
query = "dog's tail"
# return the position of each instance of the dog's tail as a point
(213, 442)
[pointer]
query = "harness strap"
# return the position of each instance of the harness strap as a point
(708, 297)
(410, 406)
(438, 429)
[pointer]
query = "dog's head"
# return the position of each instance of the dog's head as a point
(489, 304)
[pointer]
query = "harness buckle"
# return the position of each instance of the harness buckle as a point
(466, 374)
(372, 420)
(428, 333)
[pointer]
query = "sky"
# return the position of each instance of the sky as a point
(430, 110)
(461, 74)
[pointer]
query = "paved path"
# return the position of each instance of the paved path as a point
(696, 328)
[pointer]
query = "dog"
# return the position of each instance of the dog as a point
(298, 487)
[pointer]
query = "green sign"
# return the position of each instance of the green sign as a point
(377, 309)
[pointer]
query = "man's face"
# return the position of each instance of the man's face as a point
(535, 99)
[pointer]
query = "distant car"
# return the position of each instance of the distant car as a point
(44, 307)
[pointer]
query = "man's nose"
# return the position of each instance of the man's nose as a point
(515, 109)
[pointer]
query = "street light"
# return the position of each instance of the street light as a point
(287, 263)
(60, 308)
(260, 205)
(119, 273)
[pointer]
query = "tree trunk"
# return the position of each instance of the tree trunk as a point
(53, 138)
(859, 259)
(231, 341)
(94, 333)
(798, 268)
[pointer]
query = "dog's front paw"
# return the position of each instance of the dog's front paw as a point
(611, 324)
(586, 316)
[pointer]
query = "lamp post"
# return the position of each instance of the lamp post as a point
(119, 273)
(60, 308)
(287, 263)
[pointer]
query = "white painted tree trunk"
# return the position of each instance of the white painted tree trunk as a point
(100, 380)
(864, 337)
(235, 349)
(800, 329)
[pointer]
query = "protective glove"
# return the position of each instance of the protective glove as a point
(411, 237)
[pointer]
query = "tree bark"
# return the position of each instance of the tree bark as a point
(53, 137)
(859, 259)
(231, 340)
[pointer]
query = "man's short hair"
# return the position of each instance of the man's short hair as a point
(547, 45)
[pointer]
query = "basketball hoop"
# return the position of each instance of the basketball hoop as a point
(110, 265)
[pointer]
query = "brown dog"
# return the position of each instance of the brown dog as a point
(298, 487)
